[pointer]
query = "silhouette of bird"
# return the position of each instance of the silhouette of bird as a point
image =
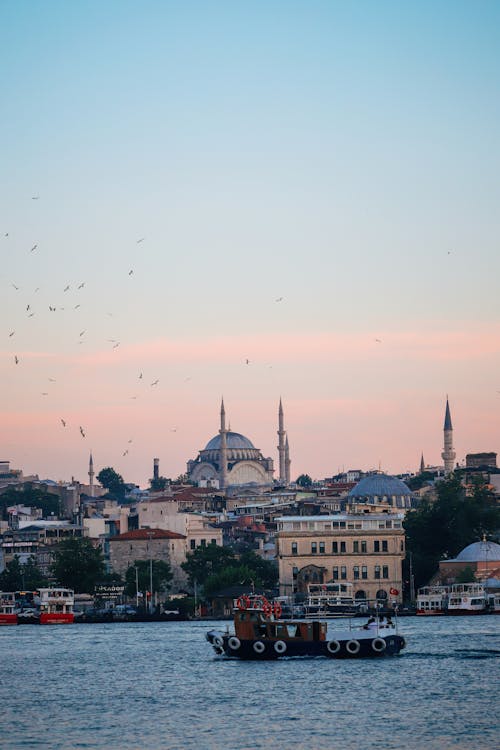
(35, 197)
(76, 307)
(133, 397)
(247, 361)
(379, 341)
(33, 248)
(115, 345)
(52, 309)
(52, 380)
(155, 382)
(15, 287)
(63, 422)
(45, 393)
(131, 272)
(129, 441)
(140, 240)
(66, 288)
(82, 432)
(16, 359)
(31, 315)
(27, 308)
(6, 234)
(11, 334)
(81, 333)
(125, 453)
(279, 299)
(80, 286)
(140, 376)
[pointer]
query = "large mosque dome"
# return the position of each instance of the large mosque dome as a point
(480, 552)
(381, 488)
(233, 440)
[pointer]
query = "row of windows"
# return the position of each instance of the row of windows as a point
(341, 547)
(359, 572)
(203, 543)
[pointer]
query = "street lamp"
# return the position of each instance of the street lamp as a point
(150, 535)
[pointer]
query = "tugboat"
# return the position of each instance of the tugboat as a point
(260, 632)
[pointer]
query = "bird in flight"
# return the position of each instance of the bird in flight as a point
(11, 334)
(279, 299)
(247, 361)
(82, 432)
(155, 382)
(125, 452)
(33, 248)
(80, 286)
(133, 397)
(66, 288)
(15, 287)
(45, 393)
(379, 341)
(31, 315)
(52, 380)
(130, 441)
(140, 240)
(81, 333)
(16, 359)
(35, 197)
(52, 309)
(27, 308)
(131, 272)
(63, 422)
(76, 307)
(140, 376)
(115, 345)
(6, 234)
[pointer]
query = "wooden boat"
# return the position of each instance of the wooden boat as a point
(260, 632)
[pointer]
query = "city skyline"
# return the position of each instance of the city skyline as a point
(249, 202)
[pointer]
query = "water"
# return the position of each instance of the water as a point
(155, 686)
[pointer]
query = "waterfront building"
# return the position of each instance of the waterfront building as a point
(36, 539)
(230, 459)
(481, 558)
(366, 549)
(149, 544)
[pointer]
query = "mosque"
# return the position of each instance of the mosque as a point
(230, 459)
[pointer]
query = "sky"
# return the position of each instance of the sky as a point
(254, 201)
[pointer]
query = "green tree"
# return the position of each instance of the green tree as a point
(161, 573)
(112, 481)
(31, 497)
(78, 564)
(206, 561)
(17, 576)
(304, 480)
(443, 527)
(159, 483)
(466, 575)
(264, 571)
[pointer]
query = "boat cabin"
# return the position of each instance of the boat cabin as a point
(258, 619)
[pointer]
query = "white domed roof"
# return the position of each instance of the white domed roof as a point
(233, 440)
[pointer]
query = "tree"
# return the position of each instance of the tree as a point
(159, 483)
(161, 573)
(304, 480)
(31, 497)
(112, 481)
(205, 561)
(78, 564)
(17, 576)
(264, 571)
(442, 528)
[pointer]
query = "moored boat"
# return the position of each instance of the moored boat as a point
(56, 606)
(432, 600)
(8, 614)
(260, 632)
(468, 599)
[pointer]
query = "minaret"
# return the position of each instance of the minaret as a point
(287, 462)
(156, 468)
(91, 475)
(281, 445)
(223, 448)
(448, 455)
(422, 464)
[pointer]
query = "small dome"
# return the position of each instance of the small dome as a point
(480, 552)
(380, 485)
(233, 439)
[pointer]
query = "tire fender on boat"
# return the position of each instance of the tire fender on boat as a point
(352, 646)
(280, 647)
(333, 647)
(379, 645)
(259, 647)
(234, 643)
(402, 642)
(217, 641)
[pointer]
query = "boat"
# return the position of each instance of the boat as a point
(56, 606)
(27, 608)
(8, 614)
(468, 599)
(332, 599)
(432, 600)
(261, 632)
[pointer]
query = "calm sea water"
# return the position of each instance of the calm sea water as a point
(148, 686)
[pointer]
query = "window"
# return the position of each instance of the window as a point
(343, 573)
(364, 572)
(296, 525)
(335, 548)
(355, 546)
(213, 541)
(295, 572)
(335, 574)
(363, 547)
(321, 548)
(376, 546)
(377, 571)
(192, 543)
(342, 546)
(385, 571)
(294, 548)
(203, 542)
(384, 545)
(314, 548)
(356, 572)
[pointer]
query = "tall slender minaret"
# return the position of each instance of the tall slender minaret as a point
(223, 448)
(281, 445)
(91, 475)
(448, 455)
(422, 464)
(287, 462)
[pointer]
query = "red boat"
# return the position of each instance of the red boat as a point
(56, 606)
(8, 614)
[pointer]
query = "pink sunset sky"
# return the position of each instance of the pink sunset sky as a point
(312, 188)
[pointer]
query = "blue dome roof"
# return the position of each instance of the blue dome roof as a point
(380, 485)
(480, 552)
(233, 439)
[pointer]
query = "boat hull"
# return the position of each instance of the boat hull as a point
(56, 618)
(267, 649)
(8, 619)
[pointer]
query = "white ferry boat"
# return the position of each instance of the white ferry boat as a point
(334, 599)
(8, 614)
(467, 599)
(433, 600)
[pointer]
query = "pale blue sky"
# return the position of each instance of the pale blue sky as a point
(343, 156)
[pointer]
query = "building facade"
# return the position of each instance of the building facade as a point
(366, 550)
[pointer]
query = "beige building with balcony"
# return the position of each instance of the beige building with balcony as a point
(366, 550)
